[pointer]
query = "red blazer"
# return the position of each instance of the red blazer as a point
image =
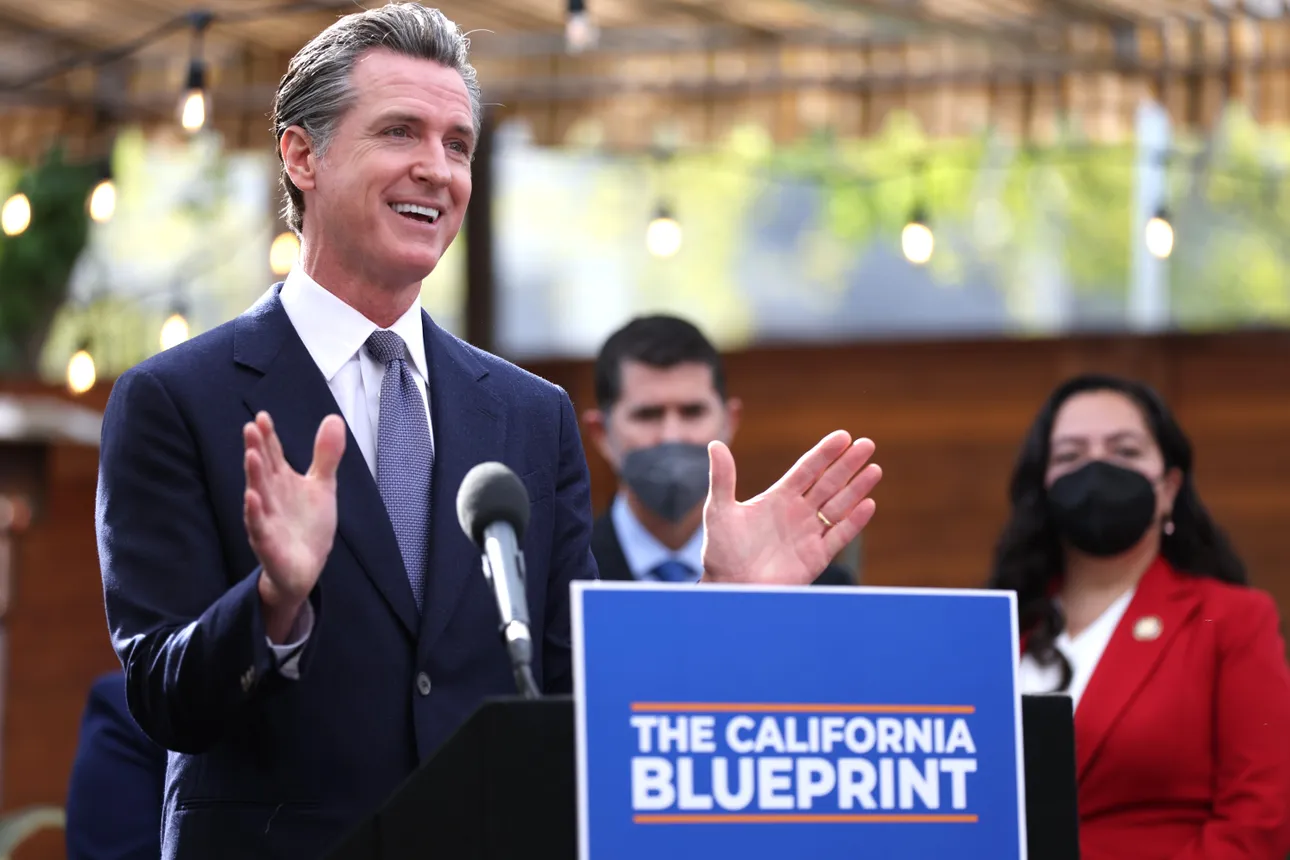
(1182, 737)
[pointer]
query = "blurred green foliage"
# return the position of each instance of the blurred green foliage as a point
(192, 225)
(993, 203)
(1004, 213)
(36, 265)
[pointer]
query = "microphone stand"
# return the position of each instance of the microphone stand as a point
(500, 546)
(519, 644)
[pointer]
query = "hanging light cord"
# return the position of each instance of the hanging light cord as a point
(186, 21)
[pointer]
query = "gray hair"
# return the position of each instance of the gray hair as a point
(315, 92)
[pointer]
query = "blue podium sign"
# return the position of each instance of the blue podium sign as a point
(760, 722)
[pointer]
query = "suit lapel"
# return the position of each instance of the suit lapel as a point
(1153, 618)
(608, 550)
(469, 427)
(296, 396)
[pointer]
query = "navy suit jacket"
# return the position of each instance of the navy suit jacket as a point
(270, 767)
(114, 795)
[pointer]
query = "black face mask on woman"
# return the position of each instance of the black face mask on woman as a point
(1103, 509)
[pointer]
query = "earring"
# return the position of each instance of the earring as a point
(1169, 526)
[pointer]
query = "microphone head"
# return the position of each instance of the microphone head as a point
(491, 493)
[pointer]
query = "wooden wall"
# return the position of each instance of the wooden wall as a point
(947, 418)
(57, 632)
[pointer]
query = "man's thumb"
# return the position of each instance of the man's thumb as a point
(721, 474)
(329, 447)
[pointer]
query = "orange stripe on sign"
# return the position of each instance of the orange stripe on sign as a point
(777, 707)
(801, 818)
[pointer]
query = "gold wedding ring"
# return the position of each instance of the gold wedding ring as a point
(824, 519)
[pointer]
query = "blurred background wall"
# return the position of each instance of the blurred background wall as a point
(910, 220)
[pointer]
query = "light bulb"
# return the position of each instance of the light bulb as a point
(663, 236)
(917, 242)
(192, 106)
(579, 32)
(174, 331)
(192, 116)
(283, 253)
(1160, 236)
(103, 201)
(81, 374)
(15, 217)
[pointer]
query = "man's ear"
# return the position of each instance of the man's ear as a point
(734, 412)
(598, 432)
(298, 157)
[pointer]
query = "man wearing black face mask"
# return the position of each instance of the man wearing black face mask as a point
(661, 398)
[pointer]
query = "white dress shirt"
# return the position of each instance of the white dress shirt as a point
(334, 334)
(644, 552)
(1083, 653)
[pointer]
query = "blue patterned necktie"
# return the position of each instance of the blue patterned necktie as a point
(404, 456)
(673, 571)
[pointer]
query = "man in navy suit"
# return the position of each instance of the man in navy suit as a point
(297, 611)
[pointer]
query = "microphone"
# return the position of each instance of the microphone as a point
(493, 510)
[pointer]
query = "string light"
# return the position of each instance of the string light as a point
(192, 106)
(103, 201)
(283, 253)
(174, 330)
(579, 31)
(663, 235)
(15, 217)
(81, 373)
(1160, 235)
(916, 240)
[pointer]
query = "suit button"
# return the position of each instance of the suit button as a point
(423, 683)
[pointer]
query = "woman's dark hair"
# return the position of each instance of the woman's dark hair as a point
(1028, 557)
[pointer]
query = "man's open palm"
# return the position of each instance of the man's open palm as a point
(290, 517)
(788, 534)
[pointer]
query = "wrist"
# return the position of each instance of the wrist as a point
(712, 575)
(280, 610)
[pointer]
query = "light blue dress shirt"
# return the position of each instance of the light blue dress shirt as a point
(644, 552)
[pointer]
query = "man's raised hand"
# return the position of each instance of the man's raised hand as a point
(788, 534)
(290, 518)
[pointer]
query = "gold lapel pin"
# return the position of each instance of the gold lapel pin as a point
(1146, 628)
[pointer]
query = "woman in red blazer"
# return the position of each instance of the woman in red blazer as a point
(1132, 601)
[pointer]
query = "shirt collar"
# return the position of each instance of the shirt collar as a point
(642, 550)
(333, 332)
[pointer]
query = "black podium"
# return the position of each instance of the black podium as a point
(503, 787)
(1052, 812)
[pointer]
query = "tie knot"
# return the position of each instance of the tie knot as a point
(673, 571)
(385, 346)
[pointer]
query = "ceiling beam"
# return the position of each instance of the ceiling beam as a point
(218, 31)
(26, 27)
(672, 39)
(518, 17)
(1093, 12)
(913, 13)
(166, 27)
(702, 12)
(1041, 67)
